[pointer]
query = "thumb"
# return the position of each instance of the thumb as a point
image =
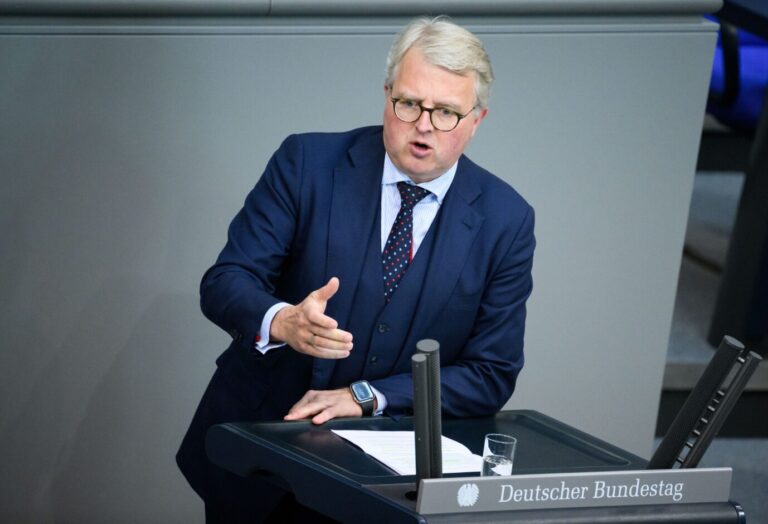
(327, 291)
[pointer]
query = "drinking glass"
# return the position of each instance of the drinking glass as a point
(498, 455)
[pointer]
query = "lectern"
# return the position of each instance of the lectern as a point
(334, 477)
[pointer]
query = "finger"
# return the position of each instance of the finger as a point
(308, 348)
(307, 398)
(323, 348)
(295, 413)
(340, 407)
(322, 321)
(337, 335)
(327, 291)
(330, 343)
(324, 416)
(334, 354)
(298, 412)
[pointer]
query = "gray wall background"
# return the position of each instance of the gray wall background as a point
(126, 147)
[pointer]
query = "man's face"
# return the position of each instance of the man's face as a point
(418, 149)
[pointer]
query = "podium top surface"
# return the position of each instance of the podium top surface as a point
(544, 446)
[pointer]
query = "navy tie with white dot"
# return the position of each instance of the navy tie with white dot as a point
(398, 251)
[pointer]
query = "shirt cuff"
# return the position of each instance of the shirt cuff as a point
(262, 343)
(381, 402)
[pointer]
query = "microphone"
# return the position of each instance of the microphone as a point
(427, 410)
(431, 348)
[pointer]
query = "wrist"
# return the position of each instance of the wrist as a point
(276, 327)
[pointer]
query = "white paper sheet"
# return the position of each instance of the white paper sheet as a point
(397, 450)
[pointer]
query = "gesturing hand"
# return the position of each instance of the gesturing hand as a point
(322, 406)
(307, 329)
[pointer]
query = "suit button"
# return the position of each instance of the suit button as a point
(383, 328)
(374, 359)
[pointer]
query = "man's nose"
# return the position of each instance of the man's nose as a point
(424, 123)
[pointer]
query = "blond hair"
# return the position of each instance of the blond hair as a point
(444, 44)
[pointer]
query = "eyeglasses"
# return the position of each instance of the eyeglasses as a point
(442, 118)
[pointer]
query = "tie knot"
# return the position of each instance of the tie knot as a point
(410, 194)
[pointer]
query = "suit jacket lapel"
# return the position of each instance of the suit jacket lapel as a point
(457, 227)
(355, 203)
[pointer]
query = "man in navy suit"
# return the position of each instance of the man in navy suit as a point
(307, 288)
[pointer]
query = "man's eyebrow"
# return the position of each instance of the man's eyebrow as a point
(444, 105)
(449, 105)
(406, 96)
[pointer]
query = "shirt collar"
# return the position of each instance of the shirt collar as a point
(438, 187)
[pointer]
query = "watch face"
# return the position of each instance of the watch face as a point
(362, 391)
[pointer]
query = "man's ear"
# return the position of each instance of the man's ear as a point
(479, 118)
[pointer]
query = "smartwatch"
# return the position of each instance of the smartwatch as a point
(362, 392)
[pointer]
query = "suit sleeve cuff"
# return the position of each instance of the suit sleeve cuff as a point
(262, 344)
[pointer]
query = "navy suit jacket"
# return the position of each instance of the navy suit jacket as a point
(315, 214)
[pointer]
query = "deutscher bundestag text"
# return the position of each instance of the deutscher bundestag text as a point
(599, 489)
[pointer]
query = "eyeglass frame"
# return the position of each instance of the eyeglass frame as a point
(429, 110)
